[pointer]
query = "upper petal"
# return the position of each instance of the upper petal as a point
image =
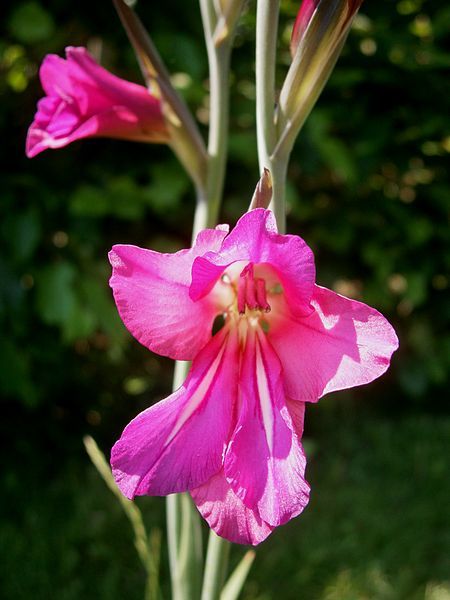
(178, 444)
(255, 239)
(97, 90)
(343, 343)
(227, 515)
(54, 76)
(151, 291)
(265, 462)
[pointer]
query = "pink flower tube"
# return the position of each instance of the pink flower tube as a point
(231, 434)
(84, 100)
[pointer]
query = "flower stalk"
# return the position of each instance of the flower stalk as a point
(219, 68)
(183, 521)
(266, 47)
(183, 526)
(215, 567)
(271, 377)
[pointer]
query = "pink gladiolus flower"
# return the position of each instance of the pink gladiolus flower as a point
(84, 100)
(230, 435)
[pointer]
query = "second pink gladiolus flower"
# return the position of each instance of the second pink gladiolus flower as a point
(231, 434)
(84, 100)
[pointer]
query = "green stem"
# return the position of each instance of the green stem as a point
(182, 519)
(219, 66)
(266, 46)
(215, 567)
(183, 524)
(173, 512)
(278, 170)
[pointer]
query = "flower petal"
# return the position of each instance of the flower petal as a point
(265, 462)
(178, 444)
(85, 100)
(255, 239)
(227, 515)
(152, 296)
(342, 344)
(302, 21)
(297, 412)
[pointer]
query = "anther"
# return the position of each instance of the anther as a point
(251, 292)
(241, 295)
(261, 295)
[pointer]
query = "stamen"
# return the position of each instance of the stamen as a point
(241, 294)
(261, 295)
(251, 300)
(251, 292)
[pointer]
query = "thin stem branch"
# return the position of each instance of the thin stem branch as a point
(266, 48)
(173, 535)
(266, 45)
(219, 66)
(215, 567)
(182, 519)
(278, 170)
(183, 527)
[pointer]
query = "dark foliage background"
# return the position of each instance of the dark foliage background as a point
(368, 190)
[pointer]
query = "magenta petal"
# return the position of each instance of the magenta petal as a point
(152, 296)
(178, 444)
(265, 462)
(342, 344)
(255, 239)
(297, 412)
(84, 100)
(302, 21)
(227, 515)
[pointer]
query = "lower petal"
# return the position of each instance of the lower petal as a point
(343, 343)
(265, 463)
(178, 444)
(227, 515)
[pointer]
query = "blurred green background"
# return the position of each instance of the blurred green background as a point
(368, 190)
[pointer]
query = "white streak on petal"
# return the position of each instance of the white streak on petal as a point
(264, 397)
(198, 396)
